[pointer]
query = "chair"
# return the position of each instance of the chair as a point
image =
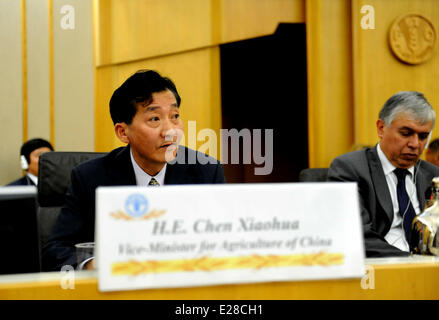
(313, 175)
(54, 171)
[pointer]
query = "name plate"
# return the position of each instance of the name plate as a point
(194, 235)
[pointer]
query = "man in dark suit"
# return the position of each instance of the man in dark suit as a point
(29, 156)
(146, 116)
(392, 181)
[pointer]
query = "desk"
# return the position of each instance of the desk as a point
(414, 277)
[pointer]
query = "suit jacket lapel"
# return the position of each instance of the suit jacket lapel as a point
(421, 186)
(178, 171)
(380, 183)
(174, 174)
(123, 171)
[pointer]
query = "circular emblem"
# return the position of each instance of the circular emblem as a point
(136, 205)
(412, 38)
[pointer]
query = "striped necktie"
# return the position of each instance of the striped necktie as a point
(405, 206)
(154, 183)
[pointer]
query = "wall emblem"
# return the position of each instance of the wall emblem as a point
(412, 38)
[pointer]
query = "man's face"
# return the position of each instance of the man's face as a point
(34, 157)
(432, 157)
(403, 140)
(154, 132)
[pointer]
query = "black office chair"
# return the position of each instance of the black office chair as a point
(54, 171)
(313, 175)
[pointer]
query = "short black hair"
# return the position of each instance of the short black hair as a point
(138, 88)
(33, 144)
(434, 145)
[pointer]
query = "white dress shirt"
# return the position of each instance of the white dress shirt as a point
(142, 178)
(33, 178)
(396, 235)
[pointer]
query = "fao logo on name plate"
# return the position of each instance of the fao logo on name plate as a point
(136, 205)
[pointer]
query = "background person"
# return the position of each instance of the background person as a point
(145, 111)
(432, 153)
(29, 156)
(392, 181)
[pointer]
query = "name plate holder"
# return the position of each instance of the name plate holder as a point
(196, 235)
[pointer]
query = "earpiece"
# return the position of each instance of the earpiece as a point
(23, 163)
(428, 140)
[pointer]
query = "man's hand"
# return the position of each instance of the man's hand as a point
(90, 265)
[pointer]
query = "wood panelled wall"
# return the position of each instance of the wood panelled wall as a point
(57, 83)
(378, 74)
(47, 78)
(11, 97)
(329, 58)
(180, 39)
(352, 72)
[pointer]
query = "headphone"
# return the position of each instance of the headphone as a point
(23, 163)
(428, 140)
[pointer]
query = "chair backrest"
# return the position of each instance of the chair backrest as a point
(54, 171)
(313, 175)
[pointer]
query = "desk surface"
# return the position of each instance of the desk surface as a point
(415, 277)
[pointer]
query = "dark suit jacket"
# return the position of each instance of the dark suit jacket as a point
(23, 181)
(76, 222)
(364, 167)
